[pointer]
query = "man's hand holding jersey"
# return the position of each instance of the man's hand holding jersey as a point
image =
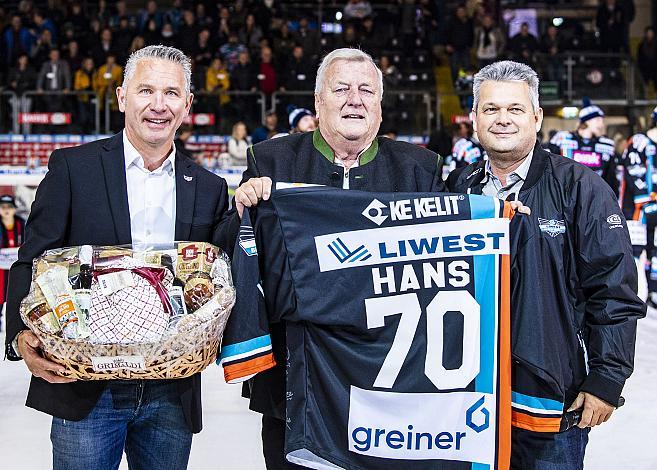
(252, 192)
(256, 189)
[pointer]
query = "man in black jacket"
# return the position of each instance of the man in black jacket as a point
(345, 153)
(574, 302)
(134, 187)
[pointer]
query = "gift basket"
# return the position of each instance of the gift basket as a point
(115, 312)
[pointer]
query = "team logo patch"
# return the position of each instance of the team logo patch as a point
(247, 241)
(615, 221)
(552, 227)
(374, 212)
(474, 424)
(344, 254)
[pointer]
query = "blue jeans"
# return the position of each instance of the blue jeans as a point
(548, 451)
(144, 417)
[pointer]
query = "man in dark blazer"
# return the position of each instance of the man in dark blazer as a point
(134, 187)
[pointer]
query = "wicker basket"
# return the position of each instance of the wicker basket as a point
(179, 354)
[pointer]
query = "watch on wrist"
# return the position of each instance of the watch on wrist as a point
(11, 352)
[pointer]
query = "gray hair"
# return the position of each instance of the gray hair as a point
(159, 52)
(506, 71)
(345, 53)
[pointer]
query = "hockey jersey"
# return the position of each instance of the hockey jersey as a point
(464, 152)
(599, 153)
(639, 175)
(396, 312)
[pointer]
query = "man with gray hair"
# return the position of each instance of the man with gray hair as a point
(573, 295)
(343, 152)
(133, 188)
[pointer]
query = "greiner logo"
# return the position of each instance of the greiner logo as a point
(407, 209)
(367, 438)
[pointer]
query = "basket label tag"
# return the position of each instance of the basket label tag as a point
(104, 363)
(113, 282)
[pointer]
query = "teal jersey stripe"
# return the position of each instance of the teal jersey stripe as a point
(537, 403)
(245, 346)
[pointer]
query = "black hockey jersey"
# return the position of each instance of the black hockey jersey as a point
(396, 311)
(639, 175)
(464, 152)
(599, 154)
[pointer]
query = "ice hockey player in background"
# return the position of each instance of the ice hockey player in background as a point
(589, 145)
(466, 148)
(638, 195)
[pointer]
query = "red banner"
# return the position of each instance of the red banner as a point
(44, 118)
(199, 119)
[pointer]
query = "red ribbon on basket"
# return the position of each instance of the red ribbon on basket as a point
(154, 276)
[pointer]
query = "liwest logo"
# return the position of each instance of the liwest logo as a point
(344, 254)
(407, 209)
(247, 241)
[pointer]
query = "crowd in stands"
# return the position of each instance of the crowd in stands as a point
(237, 46)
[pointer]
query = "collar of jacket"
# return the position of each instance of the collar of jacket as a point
(477, 172)
(325, 149)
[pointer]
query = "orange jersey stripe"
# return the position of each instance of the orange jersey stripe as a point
(504, 416)
(234, 372)
(532, 423)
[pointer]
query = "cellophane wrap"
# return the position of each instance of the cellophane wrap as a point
(136, 326)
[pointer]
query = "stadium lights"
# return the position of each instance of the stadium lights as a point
(557, 21)
(338, 16)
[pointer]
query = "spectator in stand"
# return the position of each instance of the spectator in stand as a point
(202, 19)
(188, 32)
(174, 15)
(136, 44)
(84, 81)
(238, 144)
(308, 38)
(250, 34)
(217, 80)
(523, 45)
(107, 78)
(612, 23)
(103, 47)
(301, 120)
(17, 39)
(231, 50)
(349, 38)
(72, 56)
(103, 14)
(269, 127)
(20, 79)
(41, 48)
(238, 15)
(372, 40)
(168, 36)
(55, 75)
(551, 44)
(41, 23)
(223, 26)
(267, 72)
(11, 236)
(78, 19)
(646, 57)
(489, 41)
(122, 38)
(391, 78)
(283, 40)
(357, 10)
(151, 13)
(459, 34)
(152, 33)
(243, 77)
(203, 49)
(121, 11)
(298, 74)
(408, 27)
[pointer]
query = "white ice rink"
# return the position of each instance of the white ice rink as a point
(231, 435)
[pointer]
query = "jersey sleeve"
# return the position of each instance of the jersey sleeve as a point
(246, 347)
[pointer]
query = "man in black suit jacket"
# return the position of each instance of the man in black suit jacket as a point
(98, 194)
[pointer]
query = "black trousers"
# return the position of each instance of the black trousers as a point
(273, 444)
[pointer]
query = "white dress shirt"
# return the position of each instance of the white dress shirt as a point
(151, 198)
